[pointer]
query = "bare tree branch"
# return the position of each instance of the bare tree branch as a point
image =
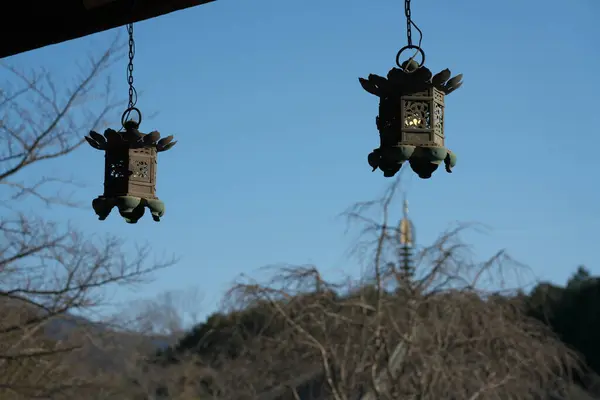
(52, 276)
(38, 123)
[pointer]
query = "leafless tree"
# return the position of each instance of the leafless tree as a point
(167, 315)
(50, 272)
(443, 333)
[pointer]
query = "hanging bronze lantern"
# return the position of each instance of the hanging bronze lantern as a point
(130, 163)
(411, 115)
(129, 171)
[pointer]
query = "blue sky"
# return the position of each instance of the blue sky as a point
(274, 131)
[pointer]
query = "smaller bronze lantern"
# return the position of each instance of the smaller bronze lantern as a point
(129, 170)
(130, 161)
(411, 117)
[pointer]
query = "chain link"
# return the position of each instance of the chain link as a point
(409, 25)
(408, 22)
(132, 91)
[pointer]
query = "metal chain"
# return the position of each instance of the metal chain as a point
(409, 25)
(408, 22)
(132, 91)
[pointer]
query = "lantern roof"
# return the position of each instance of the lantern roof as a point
(36, 24)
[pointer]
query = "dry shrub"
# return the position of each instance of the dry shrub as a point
(438, 334)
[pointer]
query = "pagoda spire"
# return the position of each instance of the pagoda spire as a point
(407, 241)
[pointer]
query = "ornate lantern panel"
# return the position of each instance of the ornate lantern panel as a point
(129, 171)
(411, 119)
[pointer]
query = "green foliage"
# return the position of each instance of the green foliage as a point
(573, 312)
(579, 278)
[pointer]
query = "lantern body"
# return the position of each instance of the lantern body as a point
(411, 119)
(129, 172)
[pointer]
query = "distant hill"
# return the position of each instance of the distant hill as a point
(59, 328)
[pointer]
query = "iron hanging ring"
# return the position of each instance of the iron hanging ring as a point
(128, 112)
(408, 47)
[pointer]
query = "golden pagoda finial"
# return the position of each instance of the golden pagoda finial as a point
(406, 228)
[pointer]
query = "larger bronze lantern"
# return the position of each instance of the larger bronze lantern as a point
(130, 161)
(411, 114)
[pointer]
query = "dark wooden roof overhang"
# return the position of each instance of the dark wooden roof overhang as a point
(31, 24)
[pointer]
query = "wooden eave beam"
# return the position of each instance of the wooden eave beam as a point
(31, 24)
